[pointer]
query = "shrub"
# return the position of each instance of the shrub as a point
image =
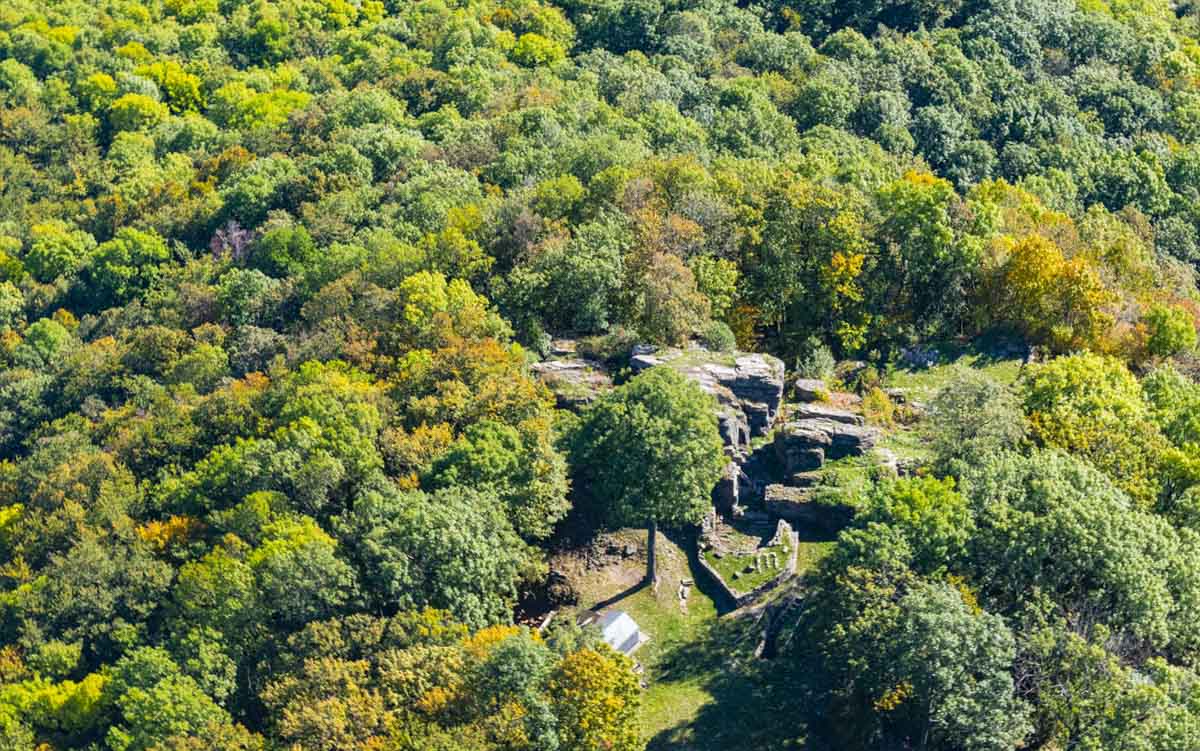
(815, 361)
(973, 417)
(718, 337)
(865, 380)
(878, 407)
(1093, 407)
(610, 347)
(1169, 331)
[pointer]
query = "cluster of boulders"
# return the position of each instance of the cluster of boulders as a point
(797, 505)
(813, 434)
(575, 380)
(604, 551)
(748, 389)
(748, 386)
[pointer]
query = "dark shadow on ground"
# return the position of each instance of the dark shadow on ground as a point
(816, 532)
(620, 596)
(686, 541)
(760, 705)
(742, 526)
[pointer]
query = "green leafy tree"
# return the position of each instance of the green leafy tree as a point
(596, 698)
(808, 271)
(534, 49)
(218, 592)
(522, 469)
(972, 417)
(125, 266)
(1169, 331)
(45, 340)
(285, 251)
(930, 261)
(247, 296)
(912, 662)
(1087, 697)
(932, 516)
(183, 90)
(649, 453)
(1092, 406)
(298, 573)
(1050, 522)
(156, 701)
(1175, 404)
(453, 549)
(56, 250)
(955, 666)
(136, 112)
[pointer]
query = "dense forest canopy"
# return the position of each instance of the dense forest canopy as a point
(274, 470)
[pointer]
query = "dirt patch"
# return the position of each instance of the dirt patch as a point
(609, 564)
(613, 566)
(845, 400)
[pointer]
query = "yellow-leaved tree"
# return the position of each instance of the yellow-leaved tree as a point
(1055, 301)
(596, 700)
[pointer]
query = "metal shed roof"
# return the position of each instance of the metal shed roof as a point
(620, 631)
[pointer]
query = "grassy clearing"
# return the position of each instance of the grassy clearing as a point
(752, 703)
(907, 443)
(668, 705)
(921, 384)
(842, 480)
(706, 689)
(810, 554)
(691, 358)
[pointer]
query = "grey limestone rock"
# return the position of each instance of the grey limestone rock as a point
(809, 389)
(575, 381)
(821, 412)
(836, 439)
(796, 506)
(748, 386)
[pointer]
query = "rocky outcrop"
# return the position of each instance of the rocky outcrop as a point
(848, 440)
(748, 386)
(809, 389)
(575, 381)
(797, 506)
(821, 412)
(785, 501)
(728, 491)
(803, 445)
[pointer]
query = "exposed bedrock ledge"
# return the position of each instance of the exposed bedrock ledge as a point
(748, 386)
